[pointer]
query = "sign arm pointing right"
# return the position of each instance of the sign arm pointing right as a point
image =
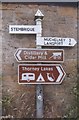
(56, 41)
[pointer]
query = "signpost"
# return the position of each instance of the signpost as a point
(42, 55)
(40, 74)
(56, 41)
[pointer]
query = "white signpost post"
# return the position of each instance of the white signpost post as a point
(40, 41)
(39, 88)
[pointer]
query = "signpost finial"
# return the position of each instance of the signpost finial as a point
(39, 14)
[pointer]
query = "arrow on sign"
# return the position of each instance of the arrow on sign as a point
(17, 55)
(56, 41)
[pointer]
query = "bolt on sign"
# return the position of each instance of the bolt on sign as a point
(39, 55)
(40, 74)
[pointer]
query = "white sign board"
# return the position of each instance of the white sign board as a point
(55, 41)
(24, 29)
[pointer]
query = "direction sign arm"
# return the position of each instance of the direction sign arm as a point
(56, 41)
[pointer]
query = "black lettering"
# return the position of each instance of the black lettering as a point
(33, 29)
(15, 29)
(45, 39)
(11, 29)
(69, 41)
